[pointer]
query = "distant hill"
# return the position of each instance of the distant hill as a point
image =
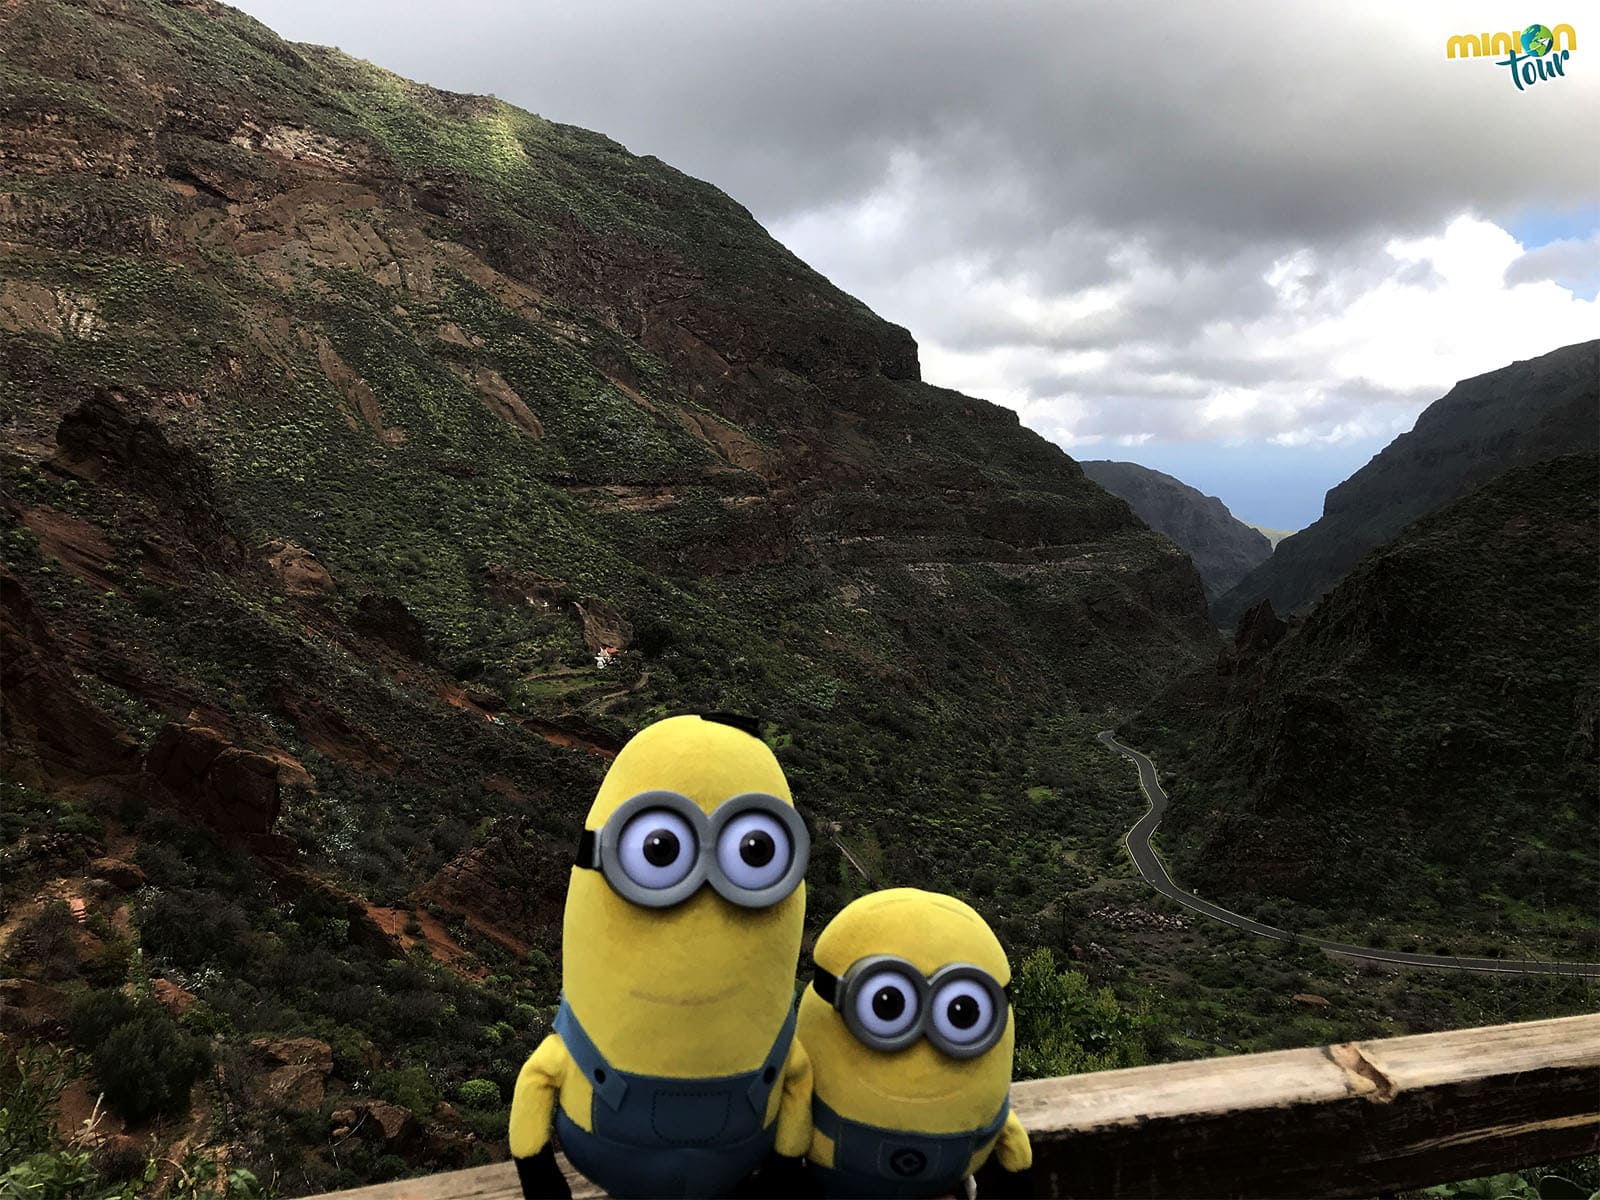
(1530, 410)
(1273, 535)
(1423, 744)
(1222, 547)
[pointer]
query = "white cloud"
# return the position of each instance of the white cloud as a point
(1350, 344)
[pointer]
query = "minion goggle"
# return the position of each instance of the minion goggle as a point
(659, 847)
(888, 1004)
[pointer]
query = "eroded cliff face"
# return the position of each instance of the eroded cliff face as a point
(1526, 412)
(1223, 548)
(378, 458)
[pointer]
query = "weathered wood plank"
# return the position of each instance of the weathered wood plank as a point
(1357, 1119)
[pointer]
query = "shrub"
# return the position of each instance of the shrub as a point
(48, 942)
(479, 1093)
(192, 929)
(1064, 1028)
(411, 1088)
(29, 1085)
(140, 1059)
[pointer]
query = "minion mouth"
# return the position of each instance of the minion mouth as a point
(908, 1097)
(689, 1001)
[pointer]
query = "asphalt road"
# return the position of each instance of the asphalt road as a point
(1144, 858)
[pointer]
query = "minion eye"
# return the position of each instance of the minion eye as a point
(754, 850)
(886, 1004)
(657, 848)
(963, 1012)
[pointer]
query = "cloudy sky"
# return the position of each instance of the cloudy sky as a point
(1245, 243)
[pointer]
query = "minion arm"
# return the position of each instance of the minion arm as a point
(1011, 1148)
(794, 1108)
(533, 1103)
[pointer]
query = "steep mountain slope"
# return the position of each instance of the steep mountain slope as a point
(1222, 548)
(1530, 410)
(1424, 747)
(376, 459)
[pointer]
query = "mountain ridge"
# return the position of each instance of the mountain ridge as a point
(1223, 548)
(1429, 728)
(1528, 410)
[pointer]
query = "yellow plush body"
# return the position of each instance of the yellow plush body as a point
(697, 991)
(919, 1089)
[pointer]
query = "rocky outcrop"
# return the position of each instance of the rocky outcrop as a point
(33, 1009)
(603, 625)
(113, 436)
(1260, 629)
(124, 876)
(390, 1125)
(295, 569)
(1529, 411)
(1222, 548)
(388, 620)
(231, 788)
(176, 1000)
(53, 731)
(504, 889)
(297, 1071)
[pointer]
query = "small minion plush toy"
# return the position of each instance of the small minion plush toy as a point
(908, 1026)
(673, 1069)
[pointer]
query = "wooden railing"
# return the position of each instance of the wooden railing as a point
(1355, 1119)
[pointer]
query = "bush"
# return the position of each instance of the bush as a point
(479, 1093)
(411, 1088)
(94, 1015)
(192, 929)
(143, 1063)
(1064, 1028)
(29, 1084)
(46, 942)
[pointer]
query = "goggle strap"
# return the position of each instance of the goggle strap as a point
(826, 985)
(588, 856)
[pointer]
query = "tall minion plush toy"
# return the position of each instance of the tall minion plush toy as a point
(908, 1026)
(673, 1069)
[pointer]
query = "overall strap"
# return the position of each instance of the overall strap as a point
(829, 1123)
(608, 1083)
(770, 1073)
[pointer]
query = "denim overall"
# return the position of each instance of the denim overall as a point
(651, 1135)
(869, 1161)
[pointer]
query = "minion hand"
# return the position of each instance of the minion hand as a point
(1009, 1172)
(531, 1107)
(997, 1182)
(781, 1178)
(541, 1176)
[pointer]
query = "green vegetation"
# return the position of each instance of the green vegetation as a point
(140, 1061)
(36, 1163)
(1576, 1180)
(1064, 1026)
(1429, 730)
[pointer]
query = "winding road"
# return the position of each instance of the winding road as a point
(1144, 858)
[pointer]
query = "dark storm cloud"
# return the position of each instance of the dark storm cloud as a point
(1207, 126)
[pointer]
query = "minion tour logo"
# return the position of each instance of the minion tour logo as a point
(1542, 56)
